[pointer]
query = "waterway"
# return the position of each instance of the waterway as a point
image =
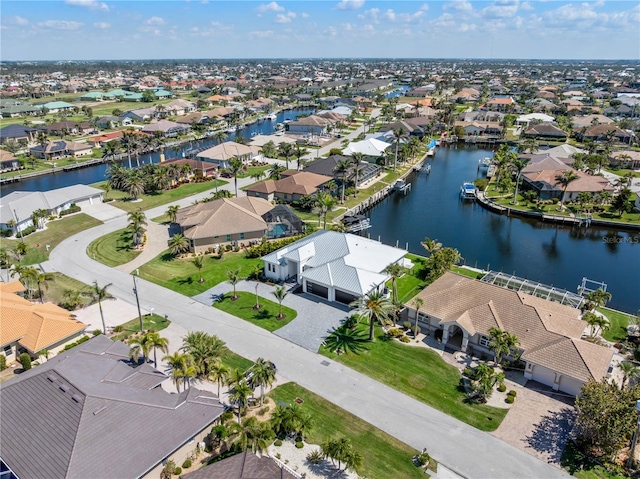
(545, 252)
(94, 174)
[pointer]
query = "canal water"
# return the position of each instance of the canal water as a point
(552, 254)
(94, 174)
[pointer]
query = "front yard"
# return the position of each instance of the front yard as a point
(113, 249)
(266, 317)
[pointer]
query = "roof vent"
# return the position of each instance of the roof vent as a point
(76, 398)
(51, 377)
(64, 387)
(99, 410)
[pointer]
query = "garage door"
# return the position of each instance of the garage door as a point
(570, 385)
(318, 290)
(344, 297)
(543, 375)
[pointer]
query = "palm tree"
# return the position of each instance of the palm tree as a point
(417, 303)
(129, 142)
(398, 134)
(239, 395)
(597, 299)
(342, 168)
(182, 368)
(355, 161)
(220, 136)
(233, 276)
(198, 262)
(258, 175)
(139, 346)
(172, 213)
(431, 245)
(280, 293)
(178, 244)
(373, 307)
(99, 294)
(324, 203)
(155, 341)
(596, 322)
(517, 166)
(219, 373)
(263, 373)
(235, 167)
(275, 172)
(251, 432)
(205, 349)
(286, 150)
(299, 152)
(135, 186)
(501, 343)
(395, 270)
(629, 372)
(565, 179)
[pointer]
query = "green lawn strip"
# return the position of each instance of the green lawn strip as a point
(265, 317)
(252, 170)
(53, 289)
(113, 249)
(421, 374)
(122, 199)
(161, 219)
(582, 468)
(383, 455)
(618, 322)
(180, 275)
(467, 272)
(150, 322)
(235, 361)
(52, 235)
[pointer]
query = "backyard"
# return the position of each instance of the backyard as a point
(180, 275)
(618, 322)
(113, 249)
(52, 235)
(419, 373)
(383, 455)
(266, 317)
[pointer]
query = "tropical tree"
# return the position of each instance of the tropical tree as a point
(263, 374)
(219, 373)
(342, 168)
(178, 244)
(233, 276)
(324, 203)
(205, 349)
(356, 159)
(597, 299)
(630, 372)
(417, 303)
(431, 245)
(154, 341)
(235, 167)
(290, 419)
(373, 307)
(395, 271)
(280, 293)
(172, 213)
(99, 294)
(220, 136)
(299, 152)
(181, 367)
(517, 165)
(342, 451)
(502, 343)
(483, 379)
(139, 346)
(198, 262)
(275, 172)
(286, 150)
(622, 202)
(398, 135)
(565, 179)
(239, 395)
(597, 323)
(251, 432)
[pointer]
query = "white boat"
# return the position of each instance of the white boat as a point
(231, 129)
(468, 191)
(402, 186)
(271, 117)
(484, 163)
(279, 126)
(427, 168)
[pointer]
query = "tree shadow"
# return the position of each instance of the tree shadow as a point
(551, 433)
(166, 257)
(188, 280)
(262, 314)
(345, 340)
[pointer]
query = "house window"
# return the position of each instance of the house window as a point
(228, 237)
(8, 350)
(241, 236)
(484, 341)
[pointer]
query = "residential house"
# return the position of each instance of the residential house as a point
(603, 132)
(313, 125)
(545, 131)
(465, 309)
(327, 167)
(57, 106)
(480, 128)
(178, 107)
(339, 267)
(33, 327)
(8, 162)
(166, 128)
(526, 120)
(466, 95)
(101, 140)
(626, 159)
(10, 108)
(61, 149)
(500, 103)
(19, 206)
(291, 187)
(246, 465)
(91, 413)
(408, 128)
(111, 122)
(201, 169)
(223, 152)
(208, 225)
(17, 133)
(68, 128)
(545, 182)
(586, 121)
(143, 114)
(371, 148)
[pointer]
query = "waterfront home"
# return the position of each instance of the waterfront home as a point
(314, 125)
(178, 107)
(61, 149)
(246, 465)
(526, 120)
(196, 168)
(626, 159)
(327, 167)
(33, 327)
(8, 162)
(246, 219)
(101, 140)
(222, 153)
(105, 417)
(19, 206)
(603, 132)
(339, 267)
(586, 121)
(408, 128)
(464, 310)
(372, 149)
(166, 128)
(546, 184)
(545, 131)
(480, 128)
(17, 133)
(66, 127)
(291, 187)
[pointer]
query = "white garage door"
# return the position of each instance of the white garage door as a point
(570, 385)
(543, 375)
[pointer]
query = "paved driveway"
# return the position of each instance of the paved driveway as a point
(315, 320)
(103, 211)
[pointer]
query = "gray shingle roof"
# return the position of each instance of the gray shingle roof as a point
(245, 465)
(70, 418)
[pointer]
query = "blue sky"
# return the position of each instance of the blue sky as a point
(95, 29)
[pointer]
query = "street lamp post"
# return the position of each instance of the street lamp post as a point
(135, 290)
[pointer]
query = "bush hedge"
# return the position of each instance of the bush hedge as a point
(277, 442)
(177, 471)
(27, 231)
(186, 464)
(269, 246)
(502, 388)
(299, 445)
(3, 362)
(25, 360)
(74, 344)
(395, 333)
(509, 399)
(70, 210)
(404, 339)
(512, 393)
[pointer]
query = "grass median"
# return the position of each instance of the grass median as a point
(113, 249)
(266, 317)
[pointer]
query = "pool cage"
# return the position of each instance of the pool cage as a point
(534, 288)
(282, 222)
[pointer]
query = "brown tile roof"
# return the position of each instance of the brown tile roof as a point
(583, 183)
(36, 326)
(227, 150)
(549, 332)
(224, 216)
(301, 183)
(245, 465)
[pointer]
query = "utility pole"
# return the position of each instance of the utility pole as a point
(135, 290)
(632, 453)
(17, 220)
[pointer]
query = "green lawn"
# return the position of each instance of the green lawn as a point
(582, 468)
(235, 361)
(53, 289)
(55, 232)
(150, 322)
(383, 456)
(467, 272)
(618, 322)
(265, 317)
(181, 275)
(113, 249)
(419, 373)
(122, 199)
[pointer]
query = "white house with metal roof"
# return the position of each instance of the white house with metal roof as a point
(336, 266)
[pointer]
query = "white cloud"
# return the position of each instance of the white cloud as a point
(304, 15)
(156, 21)
(526, 6)
(350, 4)
(90, 4)
(261, 33)
(61, 25)
(102, 25)
(424, 7)
(371, 14)
(285, 17)
(460, 5)
(269, 7)
(392, 17)
(16, 20)
(501, 9)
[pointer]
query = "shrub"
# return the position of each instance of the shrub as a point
(395, 333)
(278, 442)
(177, 471)
(3, 362)
(502, 388)
(228, 247)
(96, 332)
(70, 210)
(71, 345)
(423, 459)
(118, 329)
(481, 183)
(5, 233)
(404, 339)
(269, 246)
(509, 399)
(226, 416)
(636, 354)
(468, 372)
(512, 393)
(406, 325)
(27, 231)
(299, 445)
(186, 464)
(25, 360)
(263, 411)
(315, 456)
